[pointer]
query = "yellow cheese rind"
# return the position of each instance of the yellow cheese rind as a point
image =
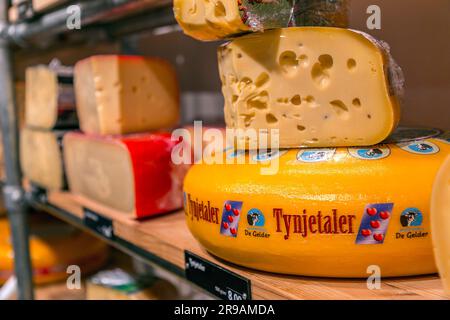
(321, 87)
(342, 183)
(209, 20)
(440, 223)
(125, 94)
(41, 158)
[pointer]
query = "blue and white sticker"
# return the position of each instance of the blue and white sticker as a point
(232, 154)
(419, 147)
(316, 155)
(268, 155)
(373, 153)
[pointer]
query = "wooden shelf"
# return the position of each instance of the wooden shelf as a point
(165, 238)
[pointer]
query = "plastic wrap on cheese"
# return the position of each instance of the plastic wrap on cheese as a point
(221, 19)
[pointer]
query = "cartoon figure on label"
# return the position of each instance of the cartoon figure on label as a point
(411, 217)
(255, 218)
(231, 214)
(421, 147)
(370, 154)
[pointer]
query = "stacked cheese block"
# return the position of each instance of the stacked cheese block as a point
(116, 163)
(345, 197)
(49, 113)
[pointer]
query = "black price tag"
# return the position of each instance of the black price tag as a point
(98, 223)
(219, 281)
(38, 193)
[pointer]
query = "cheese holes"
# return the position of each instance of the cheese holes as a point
(288, 62)
(351, 64)
(271, 119)
(262, 79)
(296, 100)
(303, 60)
(356, 102)
(320, 71)
(340, 108)
(311, 102)
(219, 9)
(301, 128)
(258, 102)
(248, 118)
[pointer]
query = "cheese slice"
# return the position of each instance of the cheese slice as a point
(440, 222)
(318, 86)
(54, 246)
(133, 175)
(125, 94)
(328, 212)
(219, 19)
(50, 97)
(41, 158)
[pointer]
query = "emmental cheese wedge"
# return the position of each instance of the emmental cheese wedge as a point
(125, 94)
(219, 19)
(41, 158)
(132, 175)
(319, 86)
(328, 212)
(50, 97)
(440, 222)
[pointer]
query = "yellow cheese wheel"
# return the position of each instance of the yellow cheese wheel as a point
(332, 212)
(53, 247)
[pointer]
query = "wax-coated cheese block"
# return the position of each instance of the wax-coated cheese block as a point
(125, 94)
(133, 174)
(440, 222)
(331, 212)
(41, 158)
(219, 19)
(319, 86)
(50, 97)
(54, 246)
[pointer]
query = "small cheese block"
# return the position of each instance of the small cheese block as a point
(440, 222)
(328, 212)
(41, 158)
(125, 94)
(133, 175)
(219, 19)
(54, 246)
(50, 97)
(319, 86)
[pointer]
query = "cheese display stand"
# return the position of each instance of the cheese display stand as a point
(346, 195)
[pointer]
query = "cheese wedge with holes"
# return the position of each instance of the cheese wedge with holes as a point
(328, 212)
(132, 175)
(50, 98)
(319, 86)
(440, 222)
(41, 158)
(125, 94)
(218, 19)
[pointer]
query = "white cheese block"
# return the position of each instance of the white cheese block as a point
(125, 94)
(41, 158)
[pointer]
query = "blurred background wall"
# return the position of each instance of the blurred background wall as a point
(418, 32)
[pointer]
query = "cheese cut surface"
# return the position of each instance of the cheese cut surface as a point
(329, 212)
(133, 175)
(440, 222)
(125, 94)
(219, 19)
(54, 246)
(319, 86)
(49, 99)
(41, 158)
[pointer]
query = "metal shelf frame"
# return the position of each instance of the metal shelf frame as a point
(114, 19)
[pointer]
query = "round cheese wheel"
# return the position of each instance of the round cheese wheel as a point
(331, 212)
(54, 246)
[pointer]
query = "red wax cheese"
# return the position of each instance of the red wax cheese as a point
(133, 174)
